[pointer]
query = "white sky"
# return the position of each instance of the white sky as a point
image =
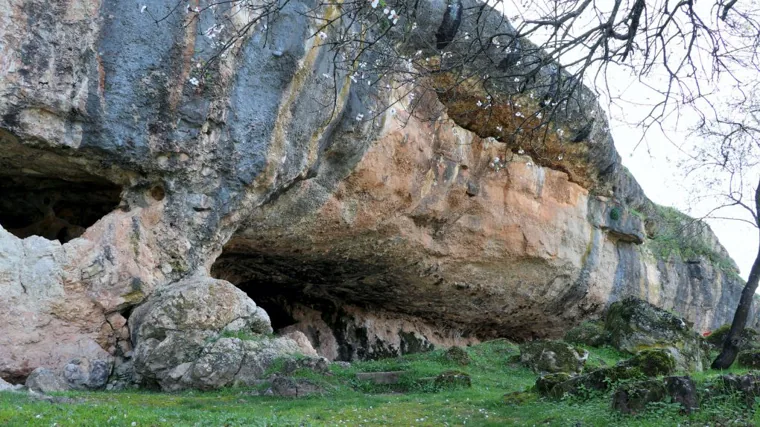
(653, 162)
(663, 184)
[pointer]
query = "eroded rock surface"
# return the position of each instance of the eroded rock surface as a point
(370, 237)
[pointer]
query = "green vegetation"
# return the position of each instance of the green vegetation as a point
(415, 401)
(615, 214)
(678, 234)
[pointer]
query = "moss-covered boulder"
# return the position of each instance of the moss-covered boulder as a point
(649, 363)
(553, 356)
(457, 355)
(588, 333)
(633, 398)
(545, 383)
(634, 325)
(652, 362)
(749, 358)
(749, 338)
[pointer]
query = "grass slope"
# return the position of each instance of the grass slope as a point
(351, 403)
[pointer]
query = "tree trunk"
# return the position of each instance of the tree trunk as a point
(731, 343)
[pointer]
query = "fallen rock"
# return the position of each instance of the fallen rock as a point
(294, 387)
(45, 381)
(83, 374)
(6, 386)
(181, 337)
(634, 325)
(457, 355)
(749, 338)
(318, 365)
(749, 358)
(545, 383)
(633, 398)
(588, 333)
(552, 356)
(683, 390)
(747, 385)
(645, 364)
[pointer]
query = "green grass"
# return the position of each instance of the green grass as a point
(348, 402)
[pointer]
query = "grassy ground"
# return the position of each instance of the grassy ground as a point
(351, 403)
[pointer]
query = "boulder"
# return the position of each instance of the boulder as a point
(634, 325)
(45, 381)
(749, 338)
(633, 398)
(6, 386)
(545, 383)
(83, 374)
(587, 333)
(457, 355)
(749, 358)
(552, 356)
(189, 336)
(649, 363)
(318, 365)
(294, 387)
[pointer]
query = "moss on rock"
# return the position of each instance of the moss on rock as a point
(652, 363)
(634, 325)
(749, 358)
(588, 333)
(457, 355)
(750, 338)
(552, 356)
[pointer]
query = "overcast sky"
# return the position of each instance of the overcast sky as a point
(654, 161)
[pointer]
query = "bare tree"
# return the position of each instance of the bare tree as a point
(726, 162)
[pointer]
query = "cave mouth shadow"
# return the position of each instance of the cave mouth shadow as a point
(52, 207)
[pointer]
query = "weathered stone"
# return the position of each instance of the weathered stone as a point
(318, 365)
(683, 390)
(749, 338)
(633, 398)
(294, 387)
(83, 374)
(749, 358)
(452, 379)
(634, 325)
(45, 381)
(6, 386)
(648, 363)
(457, 355)
(652, 363)
(552, 356)
(587, 333)
(545, 383)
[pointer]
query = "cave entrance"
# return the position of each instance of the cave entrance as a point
(54, 208)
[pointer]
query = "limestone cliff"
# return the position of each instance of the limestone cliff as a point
(122, 180)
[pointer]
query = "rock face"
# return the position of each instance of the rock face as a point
(125, 186)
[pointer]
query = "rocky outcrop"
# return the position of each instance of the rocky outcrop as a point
(125, 186)
(634, 325)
